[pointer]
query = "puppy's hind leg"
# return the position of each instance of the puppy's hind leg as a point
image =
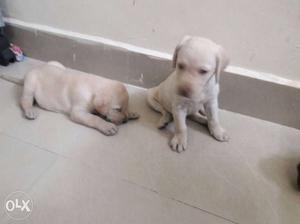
(198, 117)
(81, 116)
(166, 117)
(27, 103)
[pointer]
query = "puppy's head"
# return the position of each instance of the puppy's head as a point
(196, 61)
(114, 105)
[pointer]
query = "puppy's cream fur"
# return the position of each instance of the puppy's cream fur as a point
(82, 96)
(191, 90)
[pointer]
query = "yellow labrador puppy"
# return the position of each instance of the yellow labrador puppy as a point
(80, 95)
(191, 90)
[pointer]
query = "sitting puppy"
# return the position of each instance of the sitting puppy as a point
(77, 94)
(191, 90)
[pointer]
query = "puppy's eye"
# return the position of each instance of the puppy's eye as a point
(118, 109)
(202, 71)
(181, 66)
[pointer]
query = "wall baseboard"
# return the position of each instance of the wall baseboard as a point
(260, 95)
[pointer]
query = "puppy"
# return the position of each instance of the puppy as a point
(77, 94)
(191, 90)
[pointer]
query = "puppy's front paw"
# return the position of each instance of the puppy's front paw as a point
(31, 113)
(133, 115)
(220, 134)
(108, 129)
(178, 143)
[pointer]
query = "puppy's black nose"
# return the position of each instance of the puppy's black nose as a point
(125, 121)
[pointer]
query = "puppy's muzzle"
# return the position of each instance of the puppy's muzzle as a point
(185, 91)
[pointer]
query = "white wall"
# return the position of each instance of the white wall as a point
(262, 35)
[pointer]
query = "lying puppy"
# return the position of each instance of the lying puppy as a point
(77, 94)
(191, 90)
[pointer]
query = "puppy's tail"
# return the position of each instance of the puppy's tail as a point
(13, 79)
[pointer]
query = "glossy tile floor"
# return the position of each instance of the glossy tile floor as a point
(76, 175)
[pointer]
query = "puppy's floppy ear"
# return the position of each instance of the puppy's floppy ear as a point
(184, 39)
(101, 104)
(222, 61)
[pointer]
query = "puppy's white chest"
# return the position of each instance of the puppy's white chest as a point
(189, 105)
(195, 107)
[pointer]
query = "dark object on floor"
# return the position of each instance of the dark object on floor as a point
(298, 167)
(6, 55)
